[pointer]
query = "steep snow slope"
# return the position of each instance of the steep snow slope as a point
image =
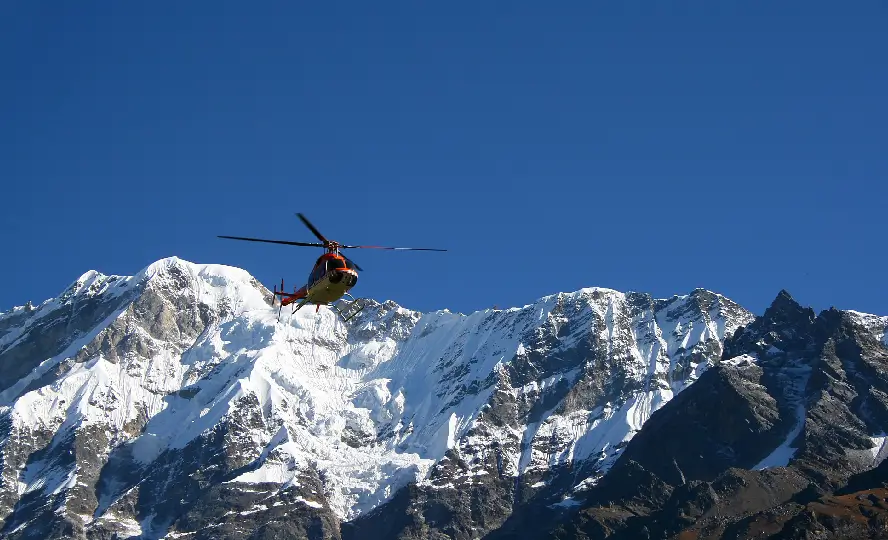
(126, 392)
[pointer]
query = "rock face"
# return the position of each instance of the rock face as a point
(175, 404)
(784, 439)
(588, 370)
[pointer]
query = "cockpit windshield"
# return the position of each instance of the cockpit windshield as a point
(323, 266)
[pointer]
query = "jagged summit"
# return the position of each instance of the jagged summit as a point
(785, 308)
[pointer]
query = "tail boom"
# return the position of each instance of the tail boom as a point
(286, 297)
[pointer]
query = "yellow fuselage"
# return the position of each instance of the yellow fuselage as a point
(331, 286)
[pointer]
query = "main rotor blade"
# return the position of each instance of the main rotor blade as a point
(395, 248)
(286, 242)
(313, 229)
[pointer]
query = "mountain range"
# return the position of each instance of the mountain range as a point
(177, 404)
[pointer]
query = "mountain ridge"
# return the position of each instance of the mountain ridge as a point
(181, 383)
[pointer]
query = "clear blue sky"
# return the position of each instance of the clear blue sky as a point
(649, 146)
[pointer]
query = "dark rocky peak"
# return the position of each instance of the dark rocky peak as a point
(785, 326)
(789, 328)
(785, 313)
(828, 376)
(829, 400)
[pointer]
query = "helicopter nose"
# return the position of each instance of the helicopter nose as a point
(347, 278)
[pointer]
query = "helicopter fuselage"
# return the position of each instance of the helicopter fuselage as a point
(330, 279)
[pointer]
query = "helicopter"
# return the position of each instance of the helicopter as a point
(332, 276)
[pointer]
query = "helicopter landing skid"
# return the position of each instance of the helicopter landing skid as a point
(348, 309)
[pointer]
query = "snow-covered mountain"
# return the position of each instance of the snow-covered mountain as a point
(175, 404)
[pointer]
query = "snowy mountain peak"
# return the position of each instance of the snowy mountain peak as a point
(174, 266)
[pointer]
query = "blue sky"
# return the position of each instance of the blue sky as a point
(736, 146)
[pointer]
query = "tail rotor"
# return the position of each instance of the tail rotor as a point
(275, 295)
